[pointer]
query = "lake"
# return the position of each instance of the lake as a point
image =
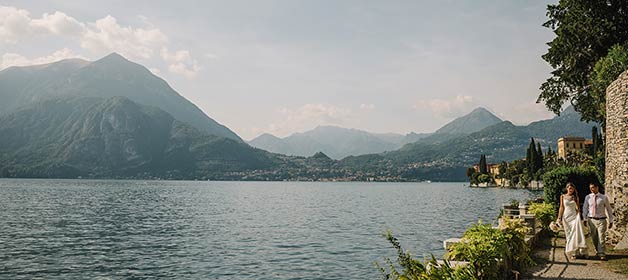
(109, 229)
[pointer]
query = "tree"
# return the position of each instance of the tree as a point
(483, 165)
(531, 159)
(539, 157)
(503, 168)
(528, 160)
(606, 71)
(485, 178)
(470, 172)
(585, 31)
(594, 140)
(474, 178)
(549, 160)
(600, 144)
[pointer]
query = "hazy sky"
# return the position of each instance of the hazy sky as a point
(287, 66)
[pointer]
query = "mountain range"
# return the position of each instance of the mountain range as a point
(447, 159)
(338, 142)
(113, 118)
(335, 142)
(110, 76)
(115, 137)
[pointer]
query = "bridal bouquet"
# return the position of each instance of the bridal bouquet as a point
(556, 226)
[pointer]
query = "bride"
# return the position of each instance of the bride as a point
(569, 213)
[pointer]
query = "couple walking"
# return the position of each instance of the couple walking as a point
(594, 209)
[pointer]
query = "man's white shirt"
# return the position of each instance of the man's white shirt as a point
(601, 204)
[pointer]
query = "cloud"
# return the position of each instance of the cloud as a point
(308, 116)
(101, 37)
(447, 108)
(13, 23)
(60, 24)
(107, 35)
(17, 24)
(181, 62)
(527, 112)
(211, 56)
(367, 106)
(13, 59)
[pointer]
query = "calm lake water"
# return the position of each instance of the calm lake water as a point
(89, 229)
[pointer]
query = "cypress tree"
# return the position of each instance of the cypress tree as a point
(539, 156)
(533, 159)
(528, 160)
(483, 166)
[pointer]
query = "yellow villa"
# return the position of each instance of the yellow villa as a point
(572, 144)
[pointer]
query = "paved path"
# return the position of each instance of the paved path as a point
(558, 266)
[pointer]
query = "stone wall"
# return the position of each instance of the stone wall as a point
(617, 157)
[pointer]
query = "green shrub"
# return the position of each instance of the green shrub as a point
(415, 269)
(484, 178)
(494, 252)
(544, 212)
(517, 256)
(555, 181)
(483, 247)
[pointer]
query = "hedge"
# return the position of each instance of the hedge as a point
(556, 180)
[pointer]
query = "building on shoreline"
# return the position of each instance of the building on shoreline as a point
(570, 144)
(493, 170)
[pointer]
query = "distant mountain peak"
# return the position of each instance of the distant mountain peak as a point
(321, 155)
(119, 64)
(114, 56)
(328, 127)
(266, 135)
(480, 110)
(474, 121)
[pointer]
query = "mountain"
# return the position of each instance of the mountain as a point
(338, 142)
(477, 120)
(504, 140)
(22, 85)
(335, 142)
(567, 124)
(115, 138)
(447, 160)
(110, 76)
(274, 144)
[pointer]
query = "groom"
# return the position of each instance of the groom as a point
(593, 210)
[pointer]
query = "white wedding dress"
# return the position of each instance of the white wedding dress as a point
(575, 243)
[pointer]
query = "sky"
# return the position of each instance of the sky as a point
(286, 66)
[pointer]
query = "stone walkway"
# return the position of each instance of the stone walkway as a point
(553, 264)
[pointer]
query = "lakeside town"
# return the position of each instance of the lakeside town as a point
(572, 151)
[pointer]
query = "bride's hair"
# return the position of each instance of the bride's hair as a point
(575, 191)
